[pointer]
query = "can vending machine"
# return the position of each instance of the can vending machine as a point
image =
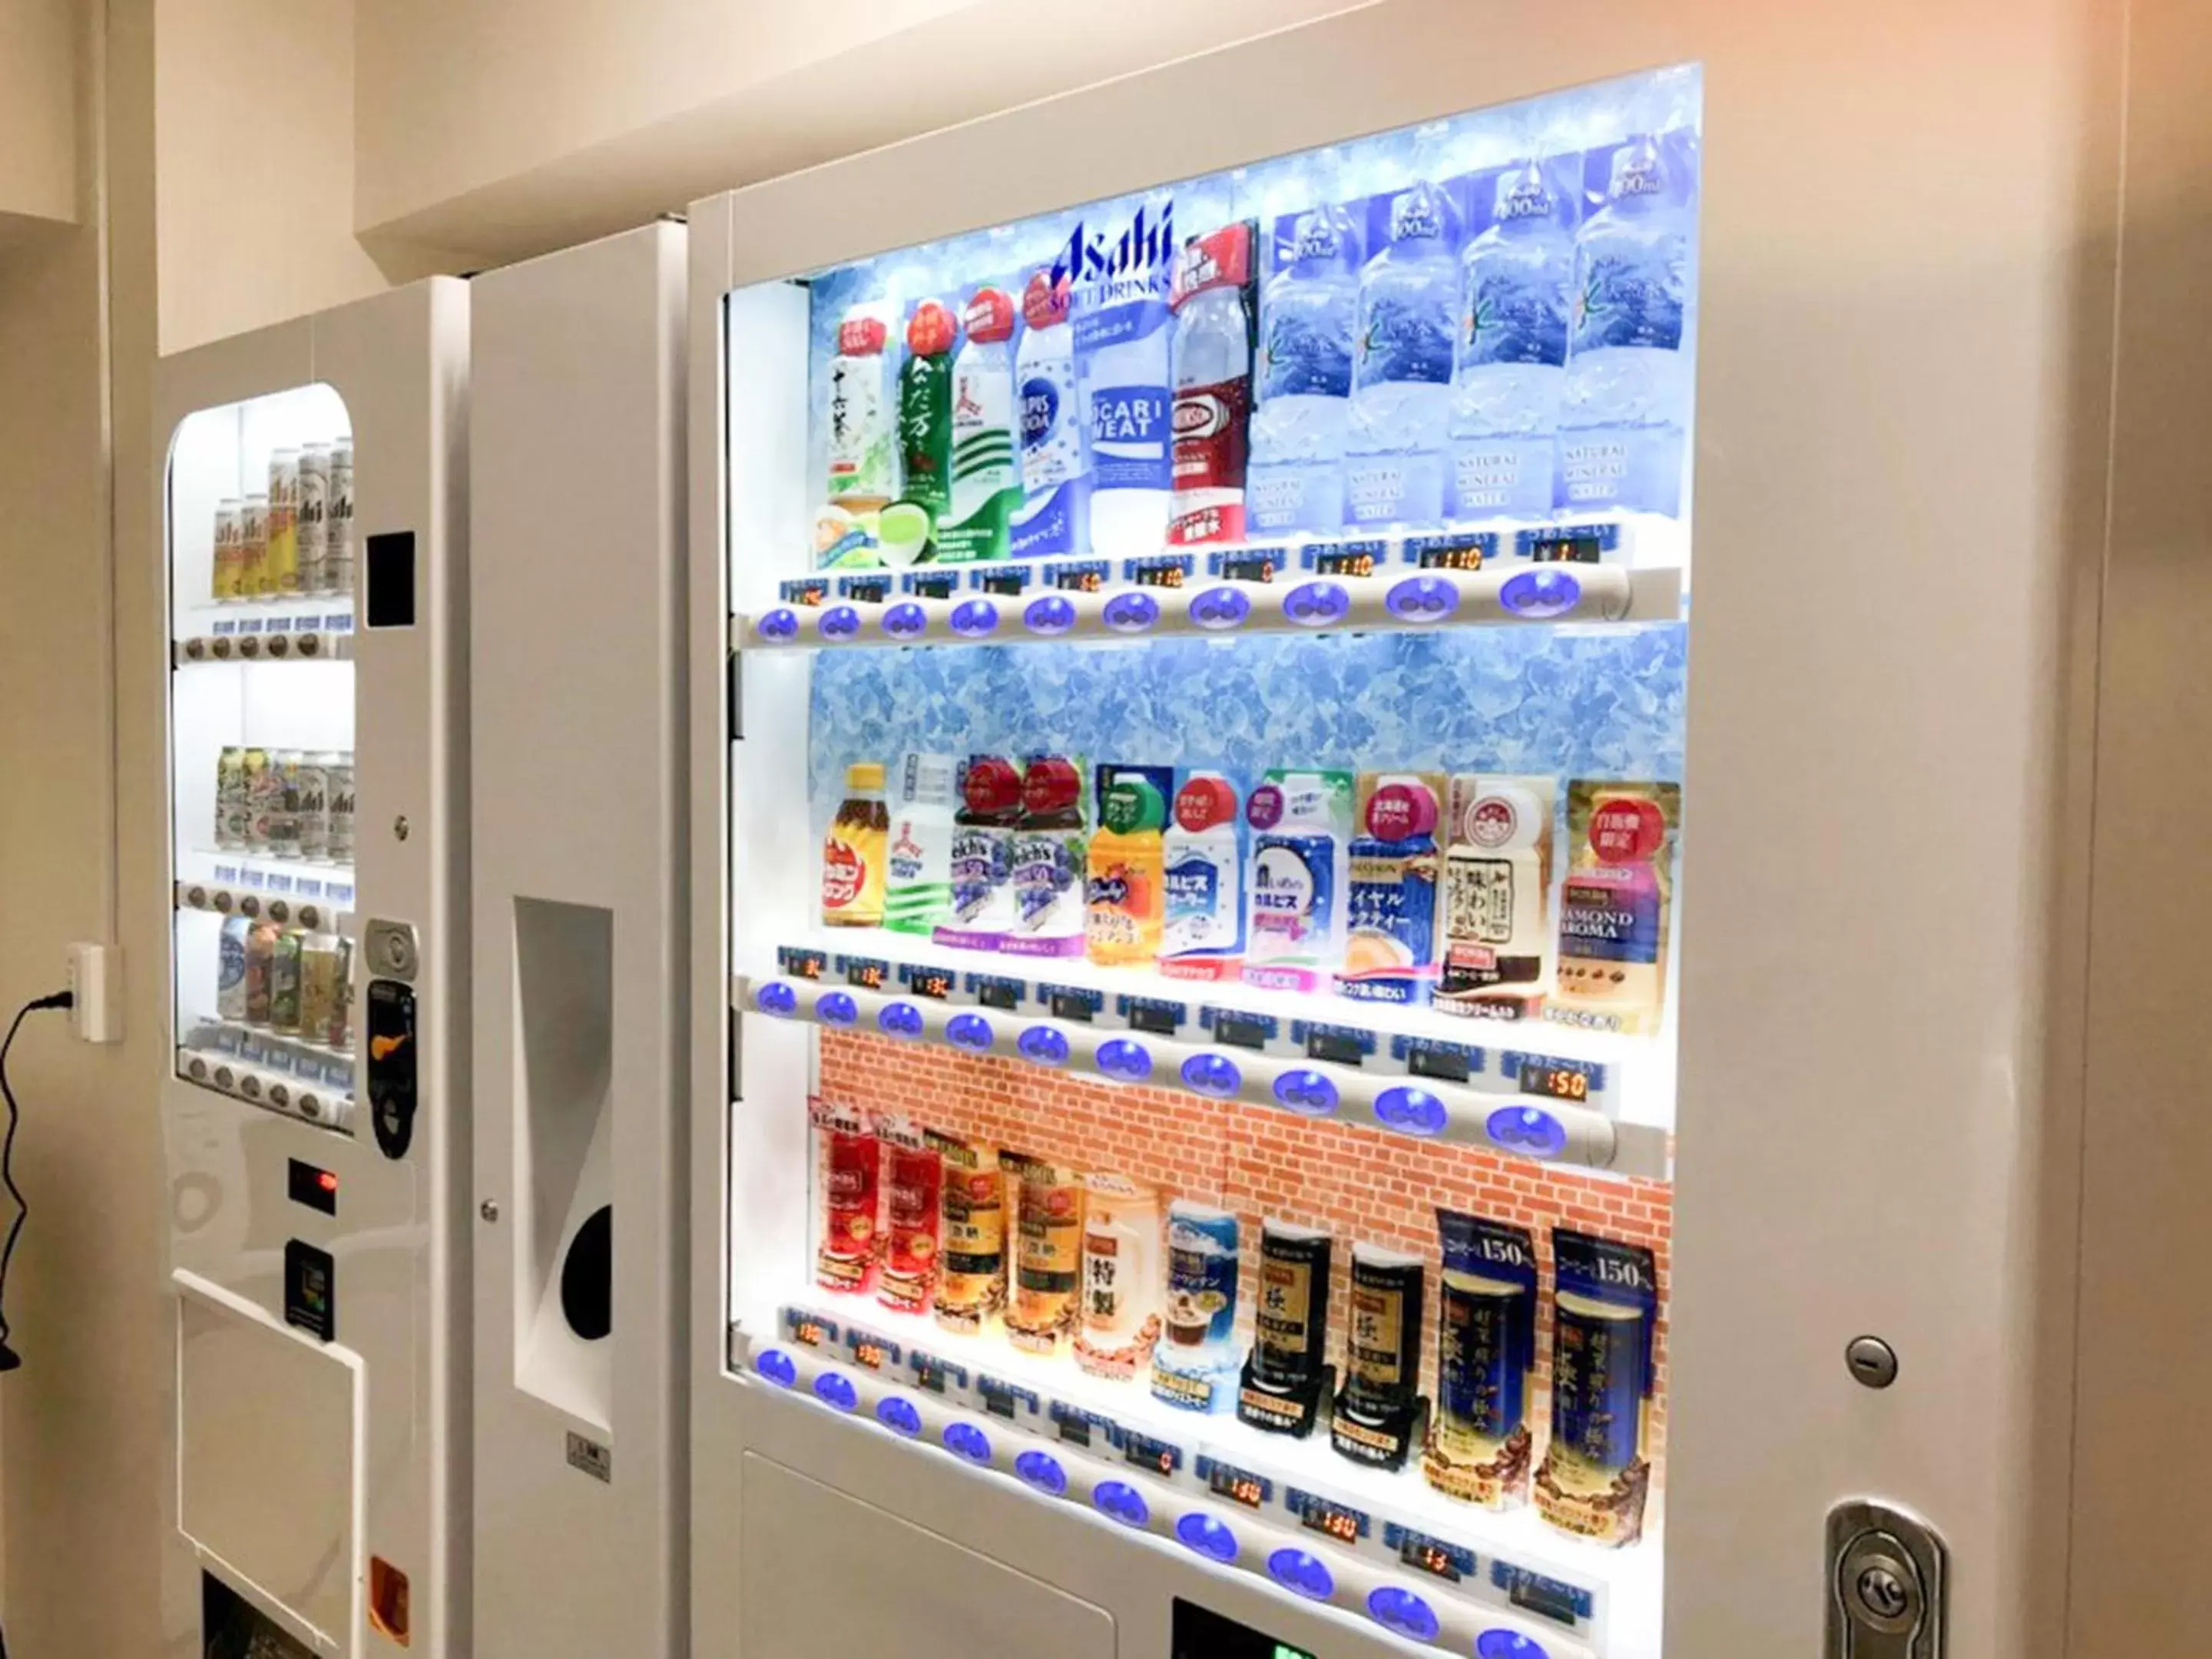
(314, 1116)
(1231, 879)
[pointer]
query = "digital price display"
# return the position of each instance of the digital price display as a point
(801, 964)
(1074, 1427)
(1147, 1453)
(1341, 1047)
(1237, 1486)
(808, 1332)
(1452, 555)
(1554, 1080)
(1000, 993)
(1241, 1031)
(1569, 547)
(1248, 568)
(1444, 1065)
(1345, 562)
(1078, 581)
(1007, 584)
(1163, 573)
(930, 1372)
(868, 1353)
(1425, 1554)
(866, 974)
(1074, 1005)
(1338, 1521)
(933, 588)
(868, 590)
(1155, 1019)
(997, 1399)
(935, 983)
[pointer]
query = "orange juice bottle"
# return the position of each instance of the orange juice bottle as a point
(1126, 893)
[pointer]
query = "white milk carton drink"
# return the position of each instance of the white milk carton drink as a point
(1120, 274)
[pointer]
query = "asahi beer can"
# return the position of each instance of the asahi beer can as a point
(230, 542)
(265, 798)
(1047, 1254)
(283, 822)
(254, 576)
(307, 795)
(971, 1286)
(232, 809)
(338, 801)
(337, 523)
(230, 970)
(283, 521)
(313, 519)
(261, 938)
(322, 988)
(284, 985)
(1479, 1443)
(1595, 1476)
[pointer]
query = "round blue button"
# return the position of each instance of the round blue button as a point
(1210, 1538)
(839, 622)
(1220, 608)
(1303, 1572)
(833, 1389)
(899, 1415)
(1212, 1074)
(1121, 1502)
(1132, 613)
(1422, 600)
(905, 621)
(1049, 614)
(774, 1366)
(972, 619)
(1316, 604)
(1508, 1644)
(1544, 592)
(836, 1008)
(1043, 1471)
(1120, 1057)
(1412, 1111)
(781, 624)
(776, 997)
(1043, 1045)
(1403, 1611)
(970, 1031)
(1309, 1092)
(971, 1442)
(1527, 1130)
(899, 1019)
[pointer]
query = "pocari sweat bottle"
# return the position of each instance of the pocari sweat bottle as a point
(1308, 312)
(1120, 274)
(1622, 422)
(1055, 484)
(1514, 309)
(1401, 367)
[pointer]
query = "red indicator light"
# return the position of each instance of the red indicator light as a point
(326, 1181)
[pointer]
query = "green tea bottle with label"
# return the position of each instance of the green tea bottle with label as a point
(925, 409)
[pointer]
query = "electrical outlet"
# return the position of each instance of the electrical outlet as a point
(95, 983)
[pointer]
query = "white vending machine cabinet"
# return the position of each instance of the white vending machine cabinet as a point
(315, 1117)
(1236, 870)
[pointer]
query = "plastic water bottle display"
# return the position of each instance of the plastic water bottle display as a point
(1514, 309)
(1402, 366)
(1308, 312)
(1055, 484)
(1120, 273)
(985, 490)
(1621, 425)
(1213, 305)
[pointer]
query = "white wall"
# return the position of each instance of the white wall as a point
(37, 110)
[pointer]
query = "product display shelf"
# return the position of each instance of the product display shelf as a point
(1421, 1108)
(244, 872)
(321, 1096)
(307, 914)
(1392, 598)
(276, 645)
(1064, 1433)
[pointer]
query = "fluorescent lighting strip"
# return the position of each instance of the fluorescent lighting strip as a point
(1140, 1503)
(1549, 1133)
(1403, 598)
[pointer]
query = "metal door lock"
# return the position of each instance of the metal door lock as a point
(1885, 1584)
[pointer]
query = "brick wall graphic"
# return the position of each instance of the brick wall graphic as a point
(1361, 1184)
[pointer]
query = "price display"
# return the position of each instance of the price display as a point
(1554, 1080)
(1147, 1453)
(1073, 1005)
(1448, 1562)
(1444, 1065)
(1342, 1048)
(930, 1372)
(1074, 1426)
(1006, 583)
(866, 973)
(1156, 1018)
(1241, 1031)
(1237, 1486)
(931, 587)
(1345, 562)
(801, 964)
(1569, 547)
(1249, 567)
(868, 1353)
(1000, 993)
(998, 1399)
(933, 982)
(1338, 1520)
(1444, 555)
(810, 1332)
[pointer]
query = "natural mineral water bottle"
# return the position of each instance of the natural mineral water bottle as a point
(1515, 279)
(1402, 366)
(1308, 312)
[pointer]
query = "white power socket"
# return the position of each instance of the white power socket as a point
(95, 983)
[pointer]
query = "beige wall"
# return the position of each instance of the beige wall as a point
(38, 109)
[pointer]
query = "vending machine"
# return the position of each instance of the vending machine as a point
(1234, 885)
(315, 1113)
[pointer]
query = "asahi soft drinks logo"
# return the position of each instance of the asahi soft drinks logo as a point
(1134, 266)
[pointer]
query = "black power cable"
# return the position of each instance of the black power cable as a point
(9, 1359)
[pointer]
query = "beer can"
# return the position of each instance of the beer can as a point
(322, 987)
(338, 806)
(337, 522)
(265, 792)
(261, 938)
(284, 985)
(253, 577)
(1047, 1253)
(282, 825)
(230, 971)
(309, 798)
(229, 541)
(231, 808)
(283, 521)
(971, 1284)
(312, 521)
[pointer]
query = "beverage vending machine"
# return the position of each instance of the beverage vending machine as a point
(317, 1145)
(1232, 879)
